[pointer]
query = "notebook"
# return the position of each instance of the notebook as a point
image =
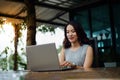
(43, 58)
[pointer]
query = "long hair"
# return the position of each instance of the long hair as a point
(82, 37)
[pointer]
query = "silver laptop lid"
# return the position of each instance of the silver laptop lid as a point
(42, 57)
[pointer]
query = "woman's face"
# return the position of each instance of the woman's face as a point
(71, 34)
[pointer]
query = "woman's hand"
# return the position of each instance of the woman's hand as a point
(69, 64)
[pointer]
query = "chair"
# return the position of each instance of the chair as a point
(93, 43)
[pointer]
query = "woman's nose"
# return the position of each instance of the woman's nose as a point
(70, 33)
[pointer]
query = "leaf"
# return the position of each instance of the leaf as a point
(45, 28)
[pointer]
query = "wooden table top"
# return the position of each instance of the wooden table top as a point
(76, 74)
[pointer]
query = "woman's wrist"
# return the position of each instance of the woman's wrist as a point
(74, 65)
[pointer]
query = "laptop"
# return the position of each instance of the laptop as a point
(43, 58)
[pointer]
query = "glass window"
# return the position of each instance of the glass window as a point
(116, 13)
(82, 17)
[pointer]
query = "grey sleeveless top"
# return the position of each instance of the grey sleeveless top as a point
(77, 57)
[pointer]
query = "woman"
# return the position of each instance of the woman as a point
(76, 52)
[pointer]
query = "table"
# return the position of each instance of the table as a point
(76, 74)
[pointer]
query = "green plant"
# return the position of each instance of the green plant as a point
(45, 28)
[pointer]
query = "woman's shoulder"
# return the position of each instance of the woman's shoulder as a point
(87, 46)
(63, 49)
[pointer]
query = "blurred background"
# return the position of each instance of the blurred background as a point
(28, 22)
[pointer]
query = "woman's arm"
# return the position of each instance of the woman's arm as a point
(89, 58)
(61, 56)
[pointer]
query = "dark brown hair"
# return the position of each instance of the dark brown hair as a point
(82, 37)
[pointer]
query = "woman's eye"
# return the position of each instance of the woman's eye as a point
(73, 31)
(67, 32)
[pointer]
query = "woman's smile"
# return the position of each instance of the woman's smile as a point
(71, 38)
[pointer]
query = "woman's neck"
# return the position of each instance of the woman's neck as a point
(75, 44)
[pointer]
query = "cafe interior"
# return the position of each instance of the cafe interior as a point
(99, 18)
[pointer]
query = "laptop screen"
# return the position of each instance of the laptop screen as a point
(42, 57)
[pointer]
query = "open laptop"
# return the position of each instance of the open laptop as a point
(43, 58)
